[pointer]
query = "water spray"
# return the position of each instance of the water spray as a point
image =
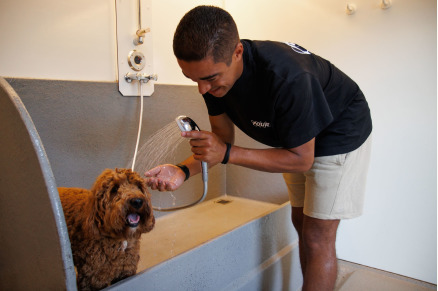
(187, 124)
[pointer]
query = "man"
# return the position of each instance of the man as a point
(314, 118)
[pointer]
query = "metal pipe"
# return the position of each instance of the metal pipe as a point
(144, 78)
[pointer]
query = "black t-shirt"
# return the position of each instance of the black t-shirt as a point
(286, 96)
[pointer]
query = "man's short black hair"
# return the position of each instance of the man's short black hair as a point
(206, 31)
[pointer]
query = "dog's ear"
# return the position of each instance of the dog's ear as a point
(103, 182)
(92, 224)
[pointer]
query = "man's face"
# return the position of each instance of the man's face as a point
(214, 78)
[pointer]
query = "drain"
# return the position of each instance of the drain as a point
(223, 201)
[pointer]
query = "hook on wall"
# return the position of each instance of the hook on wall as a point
(351, 8)
(385, 4)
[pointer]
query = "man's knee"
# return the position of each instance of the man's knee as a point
(319, 234)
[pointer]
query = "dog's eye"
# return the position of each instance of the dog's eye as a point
(140, 186)
(114, 190)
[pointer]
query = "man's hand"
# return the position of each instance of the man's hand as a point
(206, 146)
(165, 178)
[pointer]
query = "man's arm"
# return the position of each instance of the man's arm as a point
(210, 147)
(299, 159)
(223, 128)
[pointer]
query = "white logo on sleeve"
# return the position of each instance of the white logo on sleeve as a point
(261, 124)
(297, 48)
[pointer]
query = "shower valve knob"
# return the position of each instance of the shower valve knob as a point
(142, 32)
(144, 78)
(140, 35)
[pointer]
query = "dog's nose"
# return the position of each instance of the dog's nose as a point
(136, 203)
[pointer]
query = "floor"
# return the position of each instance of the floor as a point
(354, 277)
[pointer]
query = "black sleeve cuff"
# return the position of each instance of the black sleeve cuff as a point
(185, 170)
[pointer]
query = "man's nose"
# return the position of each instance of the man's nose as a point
(203, 87)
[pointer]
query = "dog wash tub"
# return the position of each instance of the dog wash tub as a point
(226, 243)
(229, 243)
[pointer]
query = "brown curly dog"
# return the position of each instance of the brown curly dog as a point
(105, 225)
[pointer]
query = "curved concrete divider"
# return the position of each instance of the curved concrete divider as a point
(35, 251)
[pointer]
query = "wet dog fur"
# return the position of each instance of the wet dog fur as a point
(105, 224)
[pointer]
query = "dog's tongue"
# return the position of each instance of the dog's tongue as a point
(133, 218)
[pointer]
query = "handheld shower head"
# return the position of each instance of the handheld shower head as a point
(186, 123)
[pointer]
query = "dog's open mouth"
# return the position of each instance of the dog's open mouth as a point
(132, 219)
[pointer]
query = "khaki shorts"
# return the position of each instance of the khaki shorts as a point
(334, 188)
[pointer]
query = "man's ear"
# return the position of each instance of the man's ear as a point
(238, 51)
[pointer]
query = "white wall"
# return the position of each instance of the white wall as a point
(67, 40)
(391, 54)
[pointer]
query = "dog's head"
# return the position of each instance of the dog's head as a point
(122, 204)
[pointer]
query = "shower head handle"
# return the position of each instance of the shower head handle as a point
(187, 124)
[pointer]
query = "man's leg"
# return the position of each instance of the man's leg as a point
(319, 248)
(317, 240)
(297, 221)
(333, 188)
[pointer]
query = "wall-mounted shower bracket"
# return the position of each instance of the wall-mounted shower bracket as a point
(134, 20)
(144, 78)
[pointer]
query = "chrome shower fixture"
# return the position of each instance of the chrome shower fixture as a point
(187, 124)
(144, 78)
(134, 47)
